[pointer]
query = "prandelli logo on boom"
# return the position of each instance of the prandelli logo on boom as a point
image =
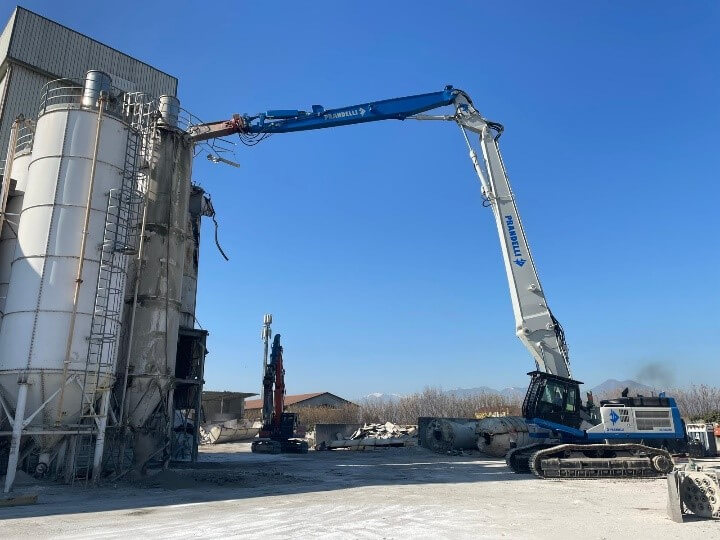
(346, 114)
(512, 233)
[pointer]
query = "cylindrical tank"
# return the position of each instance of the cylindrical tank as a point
(96, 82)
(498, 435)
(39, 305)
(444, 435)
(157, 316)
(169, 109)
(8, 236)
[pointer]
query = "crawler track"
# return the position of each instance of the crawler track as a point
(518, 459)
(585, 461)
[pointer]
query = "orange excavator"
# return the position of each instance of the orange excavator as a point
(277, 434)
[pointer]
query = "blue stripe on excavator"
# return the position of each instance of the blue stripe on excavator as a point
(578, 435)
(286, 121)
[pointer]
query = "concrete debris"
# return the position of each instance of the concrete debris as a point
(387, 430)
(693, 489)
(367, 437)
(496, 436)
(324, 434)
(228, 431)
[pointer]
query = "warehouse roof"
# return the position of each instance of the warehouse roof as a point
(290, 399)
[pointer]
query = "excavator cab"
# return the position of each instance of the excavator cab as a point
(553, 398)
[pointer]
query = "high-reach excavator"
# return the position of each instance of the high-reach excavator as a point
(623, 437)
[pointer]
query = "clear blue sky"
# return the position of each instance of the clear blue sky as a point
(369, 243)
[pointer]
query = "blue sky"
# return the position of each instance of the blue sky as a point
(369, 244)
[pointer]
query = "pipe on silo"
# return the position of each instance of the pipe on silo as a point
(169, 109)
(83, 243)
(96, 82)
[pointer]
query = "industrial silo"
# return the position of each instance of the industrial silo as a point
(64, 304)
(154, 319)
(16, 168)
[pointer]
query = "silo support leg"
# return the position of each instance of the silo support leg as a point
(100, 440)
(16, 435)
(6, 409)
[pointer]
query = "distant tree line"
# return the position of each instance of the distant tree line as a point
(697, 403)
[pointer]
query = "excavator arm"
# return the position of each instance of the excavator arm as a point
(287, 121)
(535, 325)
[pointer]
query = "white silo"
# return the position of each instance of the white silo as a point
(62, 314)
(16, 168)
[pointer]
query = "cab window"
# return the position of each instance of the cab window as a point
(571, 398)
(553, 394)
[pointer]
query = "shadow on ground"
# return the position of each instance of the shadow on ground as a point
(238, 474)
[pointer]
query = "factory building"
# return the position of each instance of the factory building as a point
(101, 366)
(253, 407)
(35, 50)
(221, 406)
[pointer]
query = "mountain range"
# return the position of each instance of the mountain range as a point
(605, 388)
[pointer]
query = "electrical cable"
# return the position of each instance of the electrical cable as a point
(217, 242)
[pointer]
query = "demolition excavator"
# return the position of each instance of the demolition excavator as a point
(277, 434)
(623, 437)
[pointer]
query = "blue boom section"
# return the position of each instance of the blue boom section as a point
(286, 121)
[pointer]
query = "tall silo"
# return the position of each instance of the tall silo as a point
(15, 180)
(154, 320)
(64, 303)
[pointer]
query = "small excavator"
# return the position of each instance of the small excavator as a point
(277, 434)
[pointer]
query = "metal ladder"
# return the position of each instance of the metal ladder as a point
(119, 242)
(83, 457)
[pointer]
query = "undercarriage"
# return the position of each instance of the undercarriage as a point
(622, 460)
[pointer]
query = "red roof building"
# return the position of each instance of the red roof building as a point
(314, 399)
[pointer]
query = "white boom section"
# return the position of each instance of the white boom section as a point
(535, 326)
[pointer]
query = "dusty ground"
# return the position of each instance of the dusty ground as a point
(392, 493)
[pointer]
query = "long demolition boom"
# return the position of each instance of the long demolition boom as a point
(536, 326)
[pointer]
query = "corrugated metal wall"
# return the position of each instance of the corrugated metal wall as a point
(40, 50)
(59, 51)
(23, 95)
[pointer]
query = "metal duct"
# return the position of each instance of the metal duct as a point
(443, 435)
(496, 436)
(96, 82)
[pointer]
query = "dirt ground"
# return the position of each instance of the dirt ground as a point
(390, 493)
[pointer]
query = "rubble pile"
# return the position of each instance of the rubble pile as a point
(228, 431)
(387, 430)
(372, 436)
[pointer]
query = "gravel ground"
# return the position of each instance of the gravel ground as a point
(390, 493)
